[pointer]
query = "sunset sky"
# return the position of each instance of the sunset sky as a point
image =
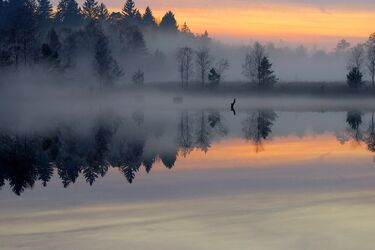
(310, 22)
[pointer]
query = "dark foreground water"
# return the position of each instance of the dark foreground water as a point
(188, 179)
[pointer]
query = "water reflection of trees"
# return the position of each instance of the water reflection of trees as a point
(354, 121)
(257, 127)
(197, 130)
(69, 153)
(370, 136)
(358, 130)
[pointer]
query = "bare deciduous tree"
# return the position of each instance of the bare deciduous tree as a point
(342, 47)
(222, 66)
(257, 67)
(185, 64)
(356, 57)
(252, 62)
(203, 61)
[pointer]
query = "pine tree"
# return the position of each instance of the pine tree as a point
(68, 13)
(137, 17)
(148, 18)
(19, 31)
(169, 23)
(53, 40)
(103, 14)
(129, 10)
(354, 78)
(185, 29)
(44, 13)
(105, 66)
(90, 9)
(133, 40)
(266, 76)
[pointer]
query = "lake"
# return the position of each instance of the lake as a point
(180, 177)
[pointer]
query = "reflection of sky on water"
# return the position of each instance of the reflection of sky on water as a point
(304, 190)
(303, 207)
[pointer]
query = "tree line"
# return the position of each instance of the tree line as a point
(257, 68)
(32, 33)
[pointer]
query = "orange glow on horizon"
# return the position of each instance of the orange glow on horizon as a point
(278, 152)
(287, 22)
(300, 23)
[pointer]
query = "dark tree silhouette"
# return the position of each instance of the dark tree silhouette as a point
(354, 78)
(168, 23)
(148, 161)
(168, 159)
(129, 11)
(149, 19)
(18, 33)
(266, 76)
(18, 161)
(105, 66)
(132, 159)
(53, 41)
(44, 168)
(68, 13)
(103, 14)
(50, 59)
(69, 165)
(138, 18)
(44, 13)
(90, 10)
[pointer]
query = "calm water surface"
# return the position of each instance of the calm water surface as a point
(189, 179)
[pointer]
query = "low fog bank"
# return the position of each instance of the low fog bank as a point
(28, 101)
(159, 64)
(290, 63)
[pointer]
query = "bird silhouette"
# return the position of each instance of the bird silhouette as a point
(232, 106)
